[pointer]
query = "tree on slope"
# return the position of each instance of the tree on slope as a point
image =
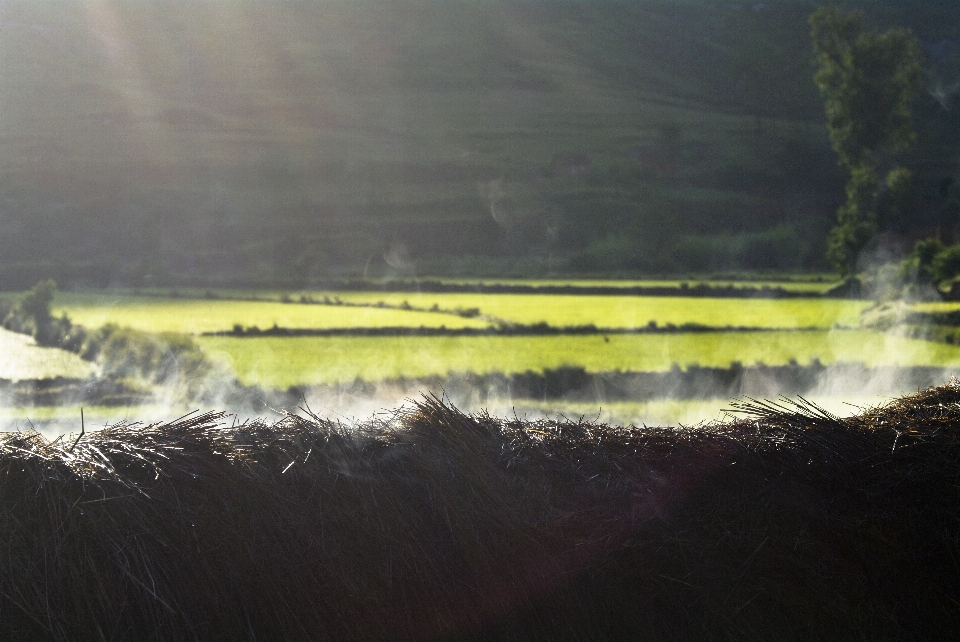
(35, 303)
(867, 80)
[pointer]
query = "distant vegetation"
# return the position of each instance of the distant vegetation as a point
(931, 262)
(31, 315)
(121, 352)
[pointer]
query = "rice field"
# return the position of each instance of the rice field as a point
(280, 362)
(638, 311)
(195, 316)
(937, 306)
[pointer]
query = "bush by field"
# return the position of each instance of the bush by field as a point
(158, 358)
(165, 357)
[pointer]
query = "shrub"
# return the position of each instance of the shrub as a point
(36, 302)
(468, 313)
(946, 264)
(31, 315)
(918, 265)
(164, 358)
(55, 332)
(158, 358)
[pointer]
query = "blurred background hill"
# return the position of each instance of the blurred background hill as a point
(284, 143)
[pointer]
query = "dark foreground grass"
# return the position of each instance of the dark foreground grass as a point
(788, 525)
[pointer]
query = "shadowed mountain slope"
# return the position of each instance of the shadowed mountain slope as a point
(279, 142)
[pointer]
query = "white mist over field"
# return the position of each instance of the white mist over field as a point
(841, 390)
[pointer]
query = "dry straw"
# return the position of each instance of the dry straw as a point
(431, 524)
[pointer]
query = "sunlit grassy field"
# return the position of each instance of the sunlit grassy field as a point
(937, 306)
(280, 362)
(194, 316)
(637, 311)
(283, 362)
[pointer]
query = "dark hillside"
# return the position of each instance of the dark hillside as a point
(196, 141)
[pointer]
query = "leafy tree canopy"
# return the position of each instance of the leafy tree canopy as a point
(36, 302)
(867, 80)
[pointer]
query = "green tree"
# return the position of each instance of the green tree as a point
(918, 266)
(856, 218)
(946, 264)
(36, 302)
(867, 80)
(31, 315)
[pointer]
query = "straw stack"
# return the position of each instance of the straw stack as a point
(790, 524)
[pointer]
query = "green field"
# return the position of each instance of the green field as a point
(638, 311)
(280, 362)
(194, 316)
(937, 306)
(283, 362)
